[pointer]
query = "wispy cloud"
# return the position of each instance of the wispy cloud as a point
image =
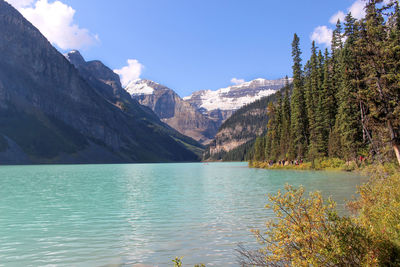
(357, 9)
(20, 3)
(130, 72)
(338, 16)
(322, 35)
(237, 81)
(55, 20)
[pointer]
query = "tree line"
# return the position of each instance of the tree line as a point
(344, 102)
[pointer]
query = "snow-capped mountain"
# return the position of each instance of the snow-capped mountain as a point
(141, 87)
(234, 97)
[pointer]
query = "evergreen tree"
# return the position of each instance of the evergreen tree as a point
(348, 119)
(298, 146)
(259, 149)
(270, 149)
(329, 94)
(340, 103)
(286, 123)
(336, 68)
(321, 127)
(380, 40)
(276, 148)
(337, 44)
(312, 102)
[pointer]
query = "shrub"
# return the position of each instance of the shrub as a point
(379, 211)
(308, 232)
(349, 166)
(178, 263)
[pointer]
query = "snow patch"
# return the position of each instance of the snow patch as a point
(139, 87)
(236, 96)
(212, 100)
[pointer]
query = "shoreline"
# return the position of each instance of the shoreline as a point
(319, 165)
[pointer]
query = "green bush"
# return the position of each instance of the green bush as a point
(349, 166)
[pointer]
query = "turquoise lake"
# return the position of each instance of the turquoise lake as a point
(134, 214)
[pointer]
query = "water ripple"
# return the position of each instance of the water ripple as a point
(140, 215)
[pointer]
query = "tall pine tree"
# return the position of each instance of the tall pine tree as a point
(348, 119)
(286, 122)
(298, 146)
(381, 42)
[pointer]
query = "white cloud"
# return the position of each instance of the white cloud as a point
(55, 20)
(237, 81)
(20, 3)
(130, 72)
(357, 9)
(322, 35)
(338, 16)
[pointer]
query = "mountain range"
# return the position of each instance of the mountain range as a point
(56, 111)
(201, 114)
(58, 108)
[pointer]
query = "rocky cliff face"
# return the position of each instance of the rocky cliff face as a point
(50, 113)
(171, 109)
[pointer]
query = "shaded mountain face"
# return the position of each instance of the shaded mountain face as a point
(171, 109)
(108, 84)
(50, 113)
(222, 103)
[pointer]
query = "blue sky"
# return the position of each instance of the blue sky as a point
(190, 45)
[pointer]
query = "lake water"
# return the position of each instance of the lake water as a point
(126, 215)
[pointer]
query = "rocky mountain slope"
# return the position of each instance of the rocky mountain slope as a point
(222, 103)
(237, 134)
(49, 112)
(171, 109)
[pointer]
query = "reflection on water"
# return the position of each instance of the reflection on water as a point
(143, 214)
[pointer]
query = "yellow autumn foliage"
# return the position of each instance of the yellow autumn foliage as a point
(307, 231)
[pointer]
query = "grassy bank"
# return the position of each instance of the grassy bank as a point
(328, 164)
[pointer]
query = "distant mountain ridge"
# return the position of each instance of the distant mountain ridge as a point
(201, 114)
(51, 112)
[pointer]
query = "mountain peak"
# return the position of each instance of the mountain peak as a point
(75, 58)
(141, 87)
